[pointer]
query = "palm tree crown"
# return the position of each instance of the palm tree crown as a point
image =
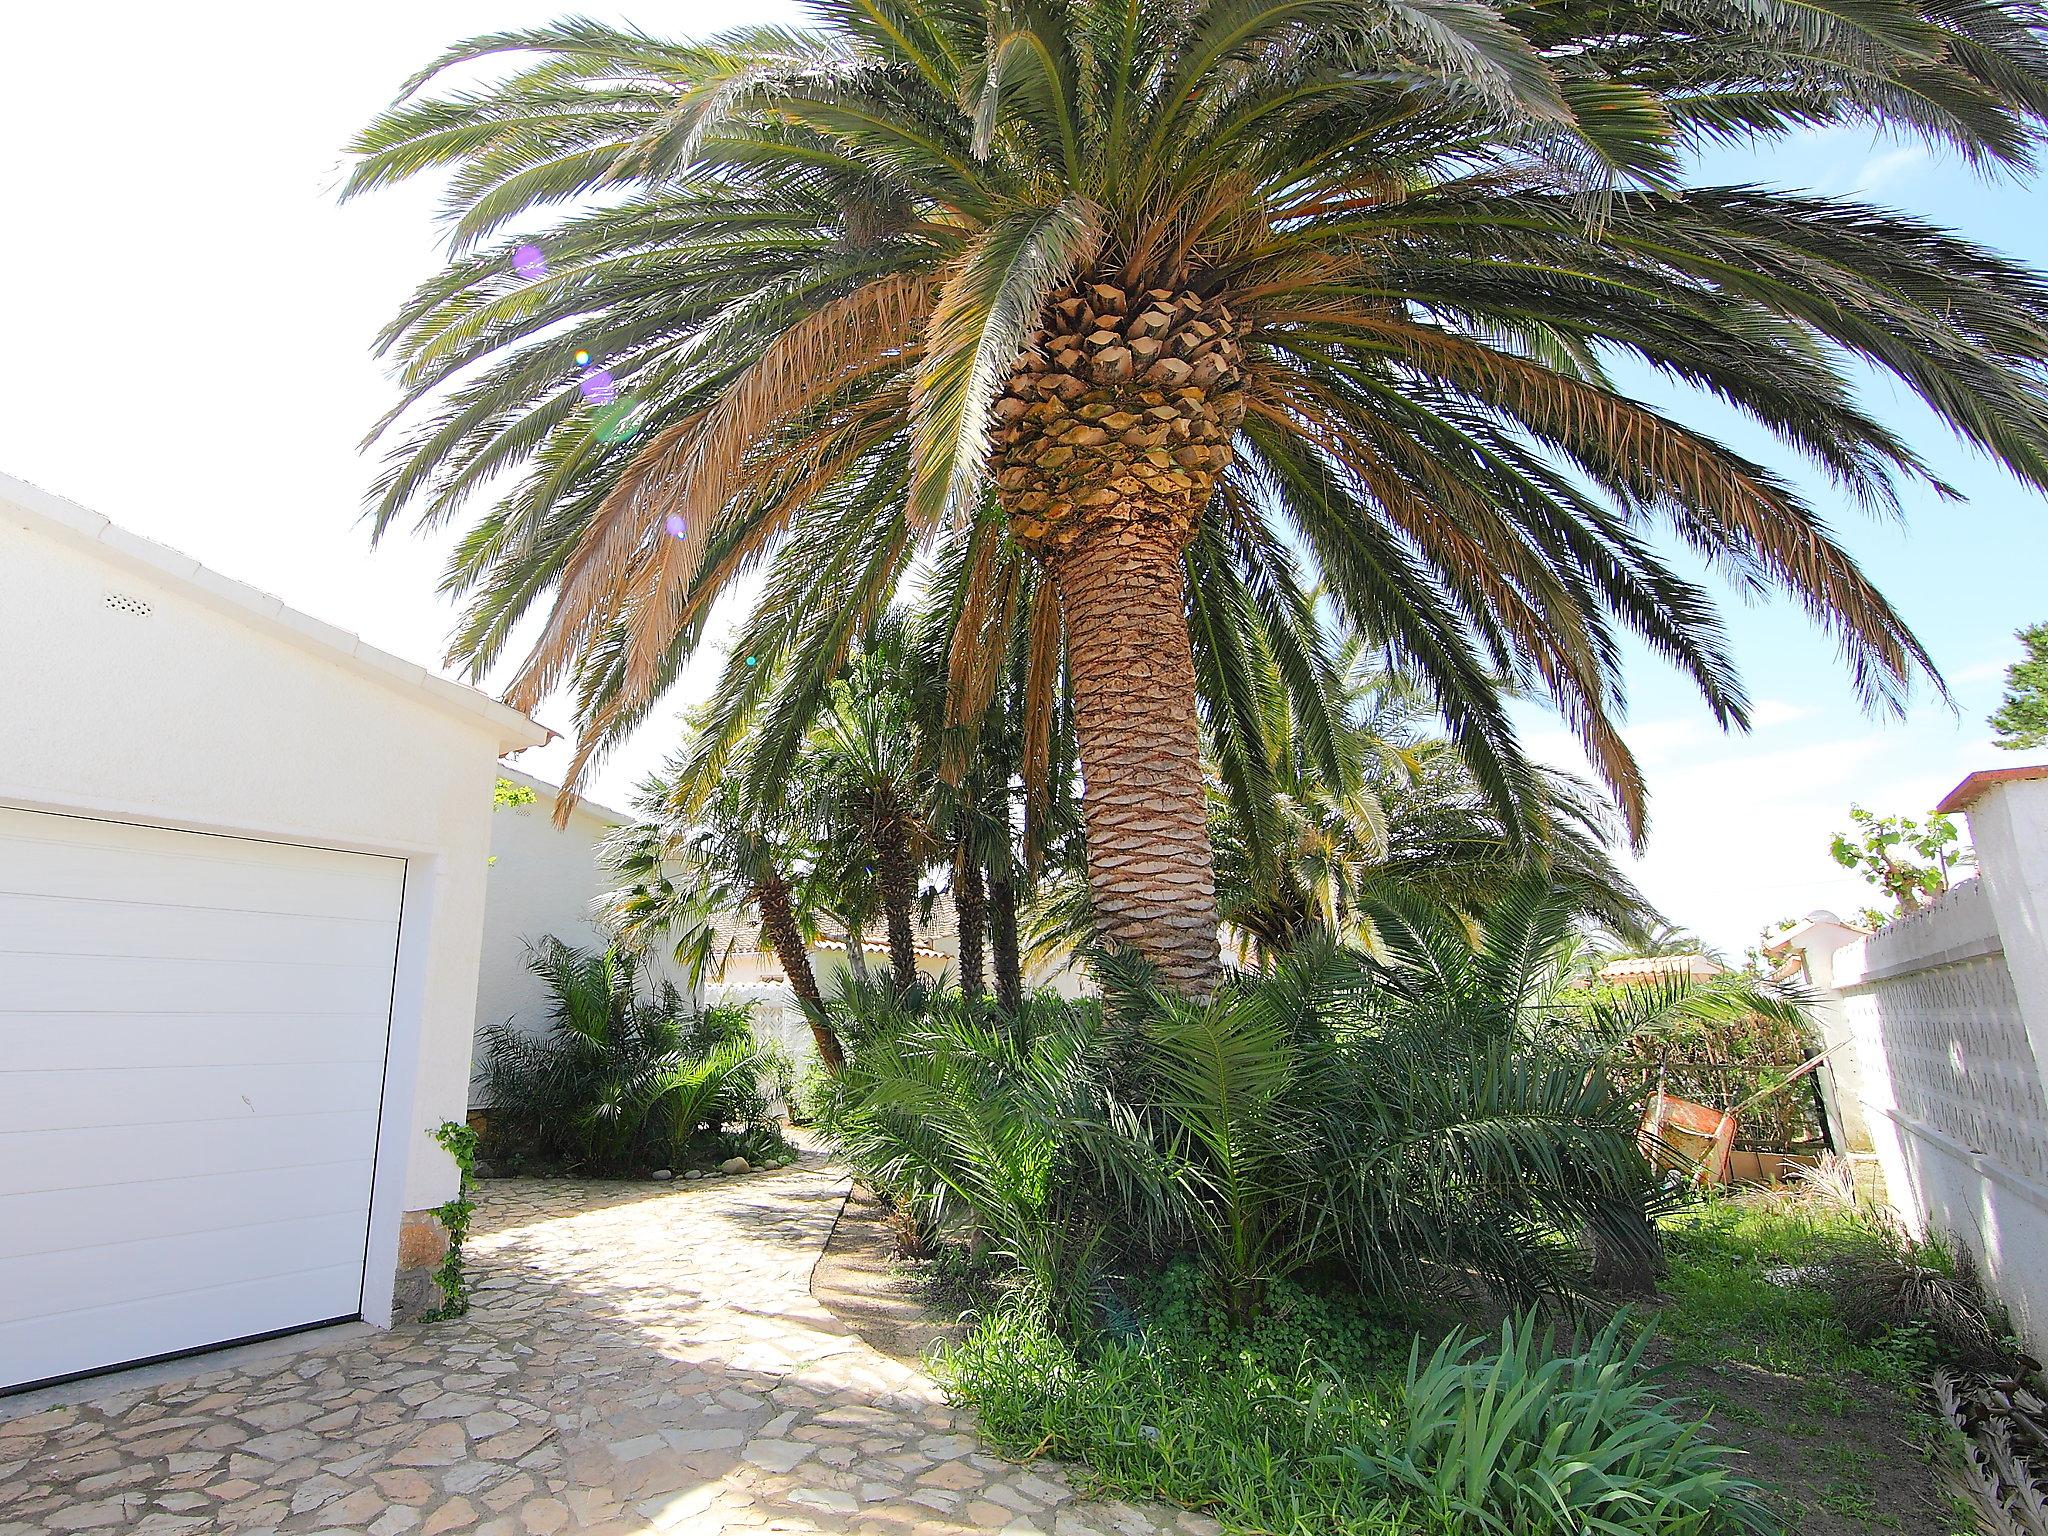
(1132, 289)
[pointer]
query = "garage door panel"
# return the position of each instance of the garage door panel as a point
(115, 1098)
(82, 927)
(55, 1042)
(44, 1221)
(134, 1156)
(35, 1350)
(193, 1033)
(159, 986)
(112, 1274)
(185, 869)
(89, 873)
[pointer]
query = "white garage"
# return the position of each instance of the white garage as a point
(242, 860)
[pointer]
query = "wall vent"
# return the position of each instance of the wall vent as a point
(121, 602)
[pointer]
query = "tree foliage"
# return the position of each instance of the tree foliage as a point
(1910, 861)
(802, 268)
(2021, 719)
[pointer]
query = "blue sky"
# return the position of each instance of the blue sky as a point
(1740, 825)
(187, 316)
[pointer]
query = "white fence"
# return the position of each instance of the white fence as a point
(1937, 1027)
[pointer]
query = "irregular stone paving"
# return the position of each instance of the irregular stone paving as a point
(638, 1359)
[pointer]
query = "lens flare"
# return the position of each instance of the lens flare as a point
(753, 661)
(530, 262)
(674, 524)
(582, 359)
(598, 387)
(616, 422)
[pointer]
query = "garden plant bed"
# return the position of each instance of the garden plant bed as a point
(1841, 1433)
(861, 1281)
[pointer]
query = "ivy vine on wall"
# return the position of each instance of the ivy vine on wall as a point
(459, 1142)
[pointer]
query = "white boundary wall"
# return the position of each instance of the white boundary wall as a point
(1946, 1018)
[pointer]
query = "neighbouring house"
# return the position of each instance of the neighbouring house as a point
(242, 869)
(546, 880)
(1641, 968)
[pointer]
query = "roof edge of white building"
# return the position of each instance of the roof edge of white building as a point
(58, 517)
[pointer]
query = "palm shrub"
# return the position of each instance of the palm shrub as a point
(973, 1121)
(1330, 1116)
(1140, 298)
(622, 1079)
(1409, 1130)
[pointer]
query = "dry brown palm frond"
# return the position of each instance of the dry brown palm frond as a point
(1041, 703)
(773, 498)
(981, 637)
(690, 469)
(876, 325)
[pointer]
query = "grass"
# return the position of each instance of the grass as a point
(1860, 1441)
(1736, 1295)
(1287, 1429)
(1321, 1419)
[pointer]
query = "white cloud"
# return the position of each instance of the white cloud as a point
(1774, 712)
(1980, 672)
(1880, 171)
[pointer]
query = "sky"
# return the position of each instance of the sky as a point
(187, 315)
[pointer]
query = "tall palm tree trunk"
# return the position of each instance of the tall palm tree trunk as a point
(1133, 672)
(857, 951)
(898, 880)
(771, 895)
(970, 910)
(1002, 901)
(1113, 427)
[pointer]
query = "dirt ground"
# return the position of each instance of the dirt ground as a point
(859, 1282)
(1845, 1457)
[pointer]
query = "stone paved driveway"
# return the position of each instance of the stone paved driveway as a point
(639, 1358)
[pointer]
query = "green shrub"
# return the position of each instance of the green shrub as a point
(1326, 1115)
(971, 1124)
(1257, 1447)
(1177, 1306)
(1524, 1441)
(621, 1081)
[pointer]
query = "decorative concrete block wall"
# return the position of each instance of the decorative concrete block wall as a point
(1947, 1017)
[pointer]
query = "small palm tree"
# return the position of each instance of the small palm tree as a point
(1138, 293)
(866, 783)
(688, 863)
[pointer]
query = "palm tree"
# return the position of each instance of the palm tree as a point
(1139, 291)
(866, 782)
(692, 860)
(1313, 839)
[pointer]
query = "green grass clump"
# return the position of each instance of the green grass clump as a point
(1260, 1449)
(1519, 1438)
(1744, 1284)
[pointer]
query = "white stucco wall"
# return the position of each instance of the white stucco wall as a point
(545, 880)
(1943, 1011)
(208, 715)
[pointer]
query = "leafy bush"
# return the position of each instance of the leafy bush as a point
(1398, 1126)
(621, 1081)
(1513, 1440)
(1526, 1440)
(973, 1124)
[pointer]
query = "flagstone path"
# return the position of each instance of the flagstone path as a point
(639, 1358)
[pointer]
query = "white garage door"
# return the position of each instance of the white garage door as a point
(192, 1042)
